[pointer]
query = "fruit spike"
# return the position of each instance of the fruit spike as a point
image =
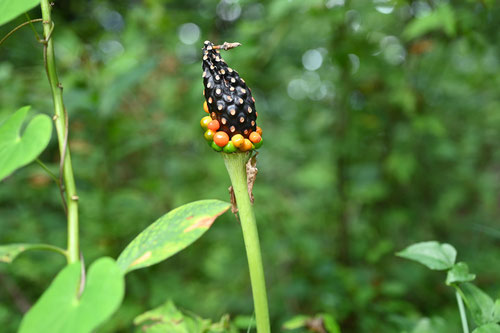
(229, 100)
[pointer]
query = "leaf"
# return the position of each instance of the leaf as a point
(60, 310)
(430, 325)
(10, 9)
(167, 318)
(459, 273)
(442, 18)
(324, 322)
(488, 328)
(171, 233)
(10, 252)
(330, 323)
(496, 311)
(480, 305)
(431, 254)
(17, 151)
(296, 322)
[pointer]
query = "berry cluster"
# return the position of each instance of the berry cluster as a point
(231, 124)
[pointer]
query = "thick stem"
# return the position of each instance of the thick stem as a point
(236, 167)
(463, 316)
(60, 120)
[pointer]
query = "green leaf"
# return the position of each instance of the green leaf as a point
(459, 273)
(171, 233)
(442, 18)
(296, 322)
(10, 252)
(10, 9)
(488, 328)
(244, 322)
(60, 310)
(326, 321)
(431, 254)
(430, 325)
(481, 306)
(496, 311)
(167, 318)
(17, 151)
(330, 323)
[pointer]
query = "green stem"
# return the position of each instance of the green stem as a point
(32, 26)
(46, 247)
(60, 119)
(236, 167)
(47, 170)
(463, 316)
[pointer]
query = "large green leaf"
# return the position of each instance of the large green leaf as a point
(10, 9)
(61, 310)
(9, 252)
(171, 233)
(459, 273)
(488, 328)
(16, 150)
(431, 254)
(481, 306)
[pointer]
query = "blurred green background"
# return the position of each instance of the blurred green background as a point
(381, 123)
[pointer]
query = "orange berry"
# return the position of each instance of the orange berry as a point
(238, 140)
(213, 125)
(221, 138)
(254, 136)
(247, 145)
(259, 130)
(205, 106)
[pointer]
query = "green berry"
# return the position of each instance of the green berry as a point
(215, 147)
(229, 148)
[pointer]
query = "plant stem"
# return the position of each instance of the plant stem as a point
(47, 170)
(47, 247)
(463, 316)
(236, 167)
(61, 124)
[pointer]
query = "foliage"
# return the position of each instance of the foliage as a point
(16, 150)
(170, 234)
(484, 311)
(62, 309)
(10, 9)
(167, 318)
